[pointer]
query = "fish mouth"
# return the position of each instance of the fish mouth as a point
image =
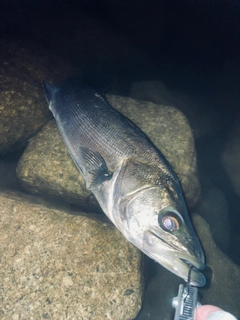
(176, 259)
(197, 278)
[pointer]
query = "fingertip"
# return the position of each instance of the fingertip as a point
(202, 312)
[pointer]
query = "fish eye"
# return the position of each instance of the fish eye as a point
(169, 221)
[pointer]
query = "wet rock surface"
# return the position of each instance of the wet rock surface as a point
(56, 265)
(46, 167)
(24, 65)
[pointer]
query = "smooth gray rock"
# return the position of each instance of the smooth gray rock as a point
(23, 110)
(213, 207)
(203, 119)
(46, 167)
(223, 290)
(56, 265)
(160, 290)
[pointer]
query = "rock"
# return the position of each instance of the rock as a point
(46, 168)
(222, 287)
(160, 291)
(154, 91)
(203, 119)
(23, 109)
(56, 265)
(8, 175)
(231, 156)
(213, 207)
(234, 248)
(223, 290)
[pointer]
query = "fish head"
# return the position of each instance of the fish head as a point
(152, 214)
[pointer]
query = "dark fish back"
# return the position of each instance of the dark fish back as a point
(86, 119)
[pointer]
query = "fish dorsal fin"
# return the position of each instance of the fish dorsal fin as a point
(95, 168)
(49, 89)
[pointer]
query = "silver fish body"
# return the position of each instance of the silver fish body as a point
(131, 179)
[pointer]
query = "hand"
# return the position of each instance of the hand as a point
(208, 312)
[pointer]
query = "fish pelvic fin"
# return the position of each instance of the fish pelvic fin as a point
(95, 169)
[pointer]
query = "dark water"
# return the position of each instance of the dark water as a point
(191, 46)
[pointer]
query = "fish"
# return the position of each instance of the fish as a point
(131, 179)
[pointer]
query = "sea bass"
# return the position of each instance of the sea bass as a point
(131, 179)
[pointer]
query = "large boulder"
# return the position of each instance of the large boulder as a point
(203, 119)
(24, 65)
(56, 265)
(46, 167)
(213, 207)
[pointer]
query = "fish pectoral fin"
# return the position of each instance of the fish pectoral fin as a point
(95, 170)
